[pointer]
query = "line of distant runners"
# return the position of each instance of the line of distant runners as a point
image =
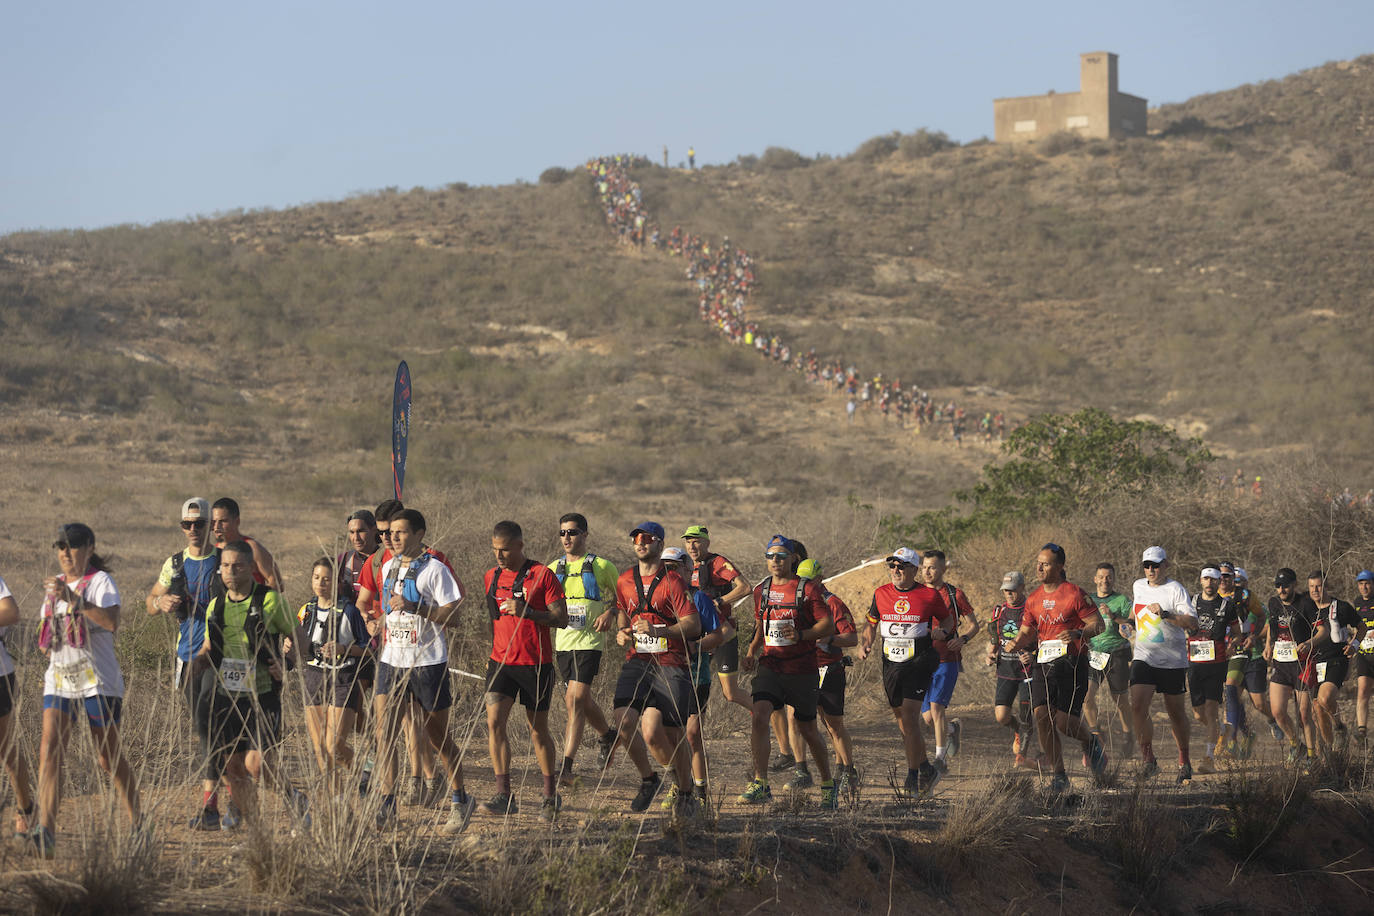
(376, 621)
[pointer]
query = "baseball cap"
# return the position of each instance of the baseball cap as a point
(781, 542)
(674, 555)
(1223, 566)
(1211, 572)
(1154, 555)
(1012, 581)
(809, 569)
(1285, 576)
(196, 507)
(74, 534)
(1242, 574)
(653, 529)
(1365, 576)
(905, 555)
(696, 531)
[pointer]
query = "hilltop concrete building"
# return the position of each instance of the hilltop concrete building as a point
(1097, 109)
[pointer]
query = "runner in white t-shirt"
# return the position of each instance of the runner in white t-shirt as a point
(419, 597)
(15, 763)
(1164, 618)
(80, 616)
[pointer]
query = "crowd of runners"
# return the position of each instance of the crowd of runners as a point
(371, 657)
(724, 277)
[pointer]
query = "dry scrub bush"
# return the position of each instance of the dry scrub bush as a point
(1259, 806)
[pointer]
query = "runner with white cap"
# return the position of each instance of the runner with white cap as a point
(1164, 619)
(1218, 625)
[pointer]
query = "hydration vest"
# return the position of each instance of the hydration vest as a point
(590, 589)
(254, 626)
(516, 588)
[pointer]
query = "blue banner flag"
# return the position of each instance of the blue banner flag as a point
(400, 426)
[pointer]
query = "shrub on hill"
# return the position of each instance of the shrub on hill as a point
(1061, 141)
(924, 143)
(779, 158)
(879, 147)
(555, 174)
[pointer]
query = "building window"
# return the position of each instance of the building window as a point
(1076, 121)
(1023, 127)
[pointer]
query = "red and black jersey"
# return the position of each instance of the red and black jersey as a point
(517, 640)
(909, 614)
(797, 604)
(662, 601)
(1053, 613)
(844, 623)
(714, 575)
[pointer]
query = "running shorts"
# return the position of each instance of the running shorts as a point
(530, 685)
(339, 689)
(101, 712)
(1061, 684)
(833, 681)
(1206, 681)
(909, 680)
(796, 690)
(725, 659)
(644, 683)
(941, 685)
(581, 665)
(1170, 682)
(426, 684)
(1117, 674)
(1331, 670)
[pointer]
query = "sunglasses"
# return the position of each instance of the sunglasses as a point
(643, 538)
(197, 524)
(1150, 564)
(898, 564)
(383, 533)
(777, 557)
(568, 532)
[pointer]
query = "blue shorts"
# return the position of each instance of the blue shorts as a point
(941, 685)
(101, 712)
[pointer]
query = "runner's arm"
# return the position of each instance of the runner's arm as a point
(267, 567)
(845, 640)
(445, 615)
(153, 604)
(718, 637)
(556, 616)
(1025, 638)
(9, 611)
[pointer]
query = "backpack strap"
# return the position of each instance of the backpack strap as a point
(646, 598)
(494, 609)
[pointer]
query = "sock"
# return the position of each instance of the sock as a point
(699, 783)
(548, 785)
(1147, 750)
(1234, 716)
(567, 764)
(210, 801)
(1183, 759)
(1311, 752)
(458, 796)
(912, 774)
(502, 783)
(940, 752)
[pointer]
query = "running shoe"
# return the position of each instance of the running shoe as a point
(365, 778)
(43, 842)
(830, 795)
(685, 807)
(941, 765)
(459, 813)
(386, 813)
(1276, 731)
(1185, 774)
(1097, 757)
(1016, 745)
(207, 819)
(1362, 734)
(549, 807)
(801, 779)
(23, 821)
(232, 818)
(419, 792)
(501, 804)
(1247, 745)
(566, 778)
(1020, 762)
(1149, 768)
(757, 793)
(603, 748)
(669, 798)
(956, 731)
(1059, 782)
(648, 788)
(926, 778)
(1206, 766)
(783, 762)
(1296, 753)
(300, 805)
(438, 791)
(845, 784)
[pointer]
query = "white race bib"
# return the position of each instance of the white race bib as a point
(1050, 649)
(577, 615)
(1321, 672)
(1285, 650)
(897, 649)
(774, 630)
(237, 675)
(1202, 650)
(652, 645)
(1098, 660)
(77, 677)
(403, 630)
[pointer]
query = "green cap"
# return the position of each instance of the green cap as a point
(696, 531)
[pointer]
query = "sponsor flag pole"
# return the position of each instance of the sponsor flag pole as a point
(400, 426)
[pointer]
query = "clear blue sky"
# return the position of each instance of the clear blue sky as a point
(142, 111)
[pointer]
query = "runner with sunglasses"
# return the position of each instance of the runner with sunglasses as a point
(790, 615)
(185, 584)
(1288, 637)
(83, 680)
(911, 618)
(1164, 618)
(589, 591)
(655, 620)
